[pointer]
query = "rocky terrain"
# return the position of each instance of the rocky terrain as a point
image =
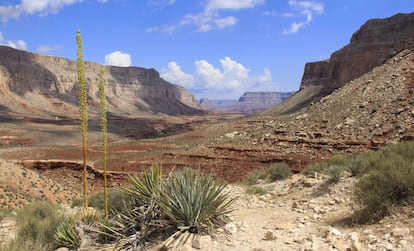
(248, 103)
(373, 109)
(375, 42)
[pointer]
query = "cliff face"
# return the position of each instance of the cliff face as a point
(375, 42)
(250, 102)
(129, 90)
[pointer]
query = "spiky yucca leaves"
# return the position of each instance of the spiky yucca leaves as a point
(66, 234)
(195, 202)
(83, 112)
(142, 220)
(184, 202)
(104, 135)
(149, 185)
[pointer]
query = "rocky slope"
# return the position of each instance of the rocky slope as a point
(375, 42)
(248, 103)
(35, 84)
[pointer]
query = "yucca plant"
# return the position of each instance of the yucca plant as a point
(148, 186)
(83, 112)
(66, 234)
(184, 202)
(104, 135)
(195, 202)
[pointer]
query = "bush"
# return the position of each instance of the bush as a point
(388, 184)
(319, 167)
(256, 190)
(118, 199)
(77, 202)
(335, 173)
(37, 224)
(279, 171)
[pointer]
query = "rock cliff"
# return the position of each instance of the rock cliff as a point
(375, 42)
(248, 103)
(48, 85)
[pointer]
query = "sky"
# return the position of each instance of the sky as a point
(216, 49)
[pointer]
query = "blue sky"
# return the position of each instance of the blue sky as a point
(215, 48)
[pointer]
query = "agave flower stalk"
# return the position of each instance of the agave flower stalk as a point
(83, 112)
(104, 134)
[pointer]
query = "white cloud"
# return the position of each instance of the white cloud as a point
(303, 8)
(232, 4)
(17, 44)
(175, 75)
(225, 22)
(230, 80)
(47, 48)
(31, 7)
(210, 19)
(166, 29)
(118, 58)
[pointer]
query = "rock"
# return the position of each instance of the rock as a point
(400, 232)
(203, 241)
(62, 249)
(310, 182)
(269, 236)
(335, 232)
(376, 41)
(231, 228)
(52, 80)
(356, 246)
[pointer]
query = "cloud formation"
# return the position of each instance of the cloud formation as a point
(118, 58)
(210, 19)
(232, 4)
(31, 7)
(17, 44)
(302, 8)
(231, 79)
(47, 48)
(174, 74)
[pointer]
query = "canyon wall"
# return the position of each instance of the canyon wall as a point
(129, 90)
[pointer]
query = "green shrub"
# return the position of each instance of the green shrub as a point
(335, 173)
(118, 199)
(19, 245)
(319, 167)
(252, 178)
(278, 171)
(338, 160)
(388, 184)
(37, 224)
(256, 190)
(77, 202)
(66, 234)
(186, 201)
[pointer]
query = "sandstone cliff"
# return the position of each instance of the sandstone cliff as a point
(48, 85)
(375, 42)
(248, 103)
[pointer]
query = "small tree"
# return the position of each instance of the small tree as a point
(104, 134)
(83, 112)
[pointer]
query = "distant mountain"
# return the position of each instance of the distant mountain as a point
(375, 42)
(250, 102)
(47, 86)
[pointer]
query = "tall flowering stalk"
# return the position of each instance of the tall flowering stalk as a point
(83, 112)
(104, 134)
